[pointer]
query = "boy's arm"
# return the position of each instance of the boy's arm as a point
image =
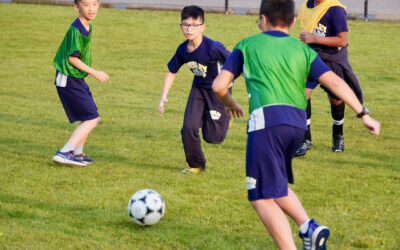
(168, 80)
(340, 40)
(77, 63)
(337, 19)
(220, 87)
(335, 84)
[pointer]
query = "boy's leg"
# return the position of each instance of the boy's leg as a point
(79, 105)
(81, 132)
(307, 142)
(192, 122)
(344, 71)
(307, 136)
(268, 169)
(291, 205)
(77, 138)
(337, 112)
(215, 118)
(275, 221)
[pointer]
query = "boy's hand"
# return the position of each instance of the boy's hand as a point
(235, 110)
(306, 37)
(161, 105)
(372, 125)
(100, 75)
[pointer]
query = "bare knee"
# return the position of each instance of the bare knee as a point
(92, 122)
(261, 203)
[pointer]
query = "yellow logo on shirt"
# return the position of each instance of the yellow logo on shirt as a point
(320, 30)
(215, 115)
(197, 69)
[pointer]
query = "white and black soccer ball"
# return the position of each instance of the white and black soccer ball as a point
(146, 207)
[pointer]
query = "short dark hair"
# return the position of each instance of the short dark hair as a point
(192, 11)
(279, 12)
(77, 1)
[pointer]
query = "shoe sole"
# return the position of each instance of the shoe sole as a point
(60, 160)
(319, 238)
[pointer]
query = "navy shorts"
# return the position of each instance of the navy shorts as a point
(76, 98)
(269, 161)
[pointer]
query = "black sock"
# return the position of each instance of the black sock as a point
(338, 118)
(307, 136)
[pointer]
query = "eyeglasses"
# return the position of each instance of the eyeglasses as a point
(192, 26)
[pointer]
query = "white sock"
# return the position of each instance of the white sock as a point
(67, 148)
(304, 227)
(78, 150)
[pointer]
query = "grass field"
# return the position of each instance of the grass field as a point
(46, 206)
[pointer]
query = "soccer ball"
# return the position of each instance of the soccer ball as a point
(146, 207)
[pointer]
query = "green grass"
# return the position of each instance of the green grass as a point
(46, 206)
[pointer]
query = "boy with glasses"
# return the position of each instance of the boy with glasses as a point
(275, 67)
(204, 58)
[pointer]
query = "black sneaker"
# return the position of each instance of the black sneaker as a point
(305, 145)
(338, 143)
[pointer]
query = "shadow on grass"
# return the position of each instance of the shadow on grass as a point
(102, 224)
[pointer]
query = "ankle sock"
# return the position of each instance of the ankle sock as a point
(78, 150)
(67, 148)
(304, 227)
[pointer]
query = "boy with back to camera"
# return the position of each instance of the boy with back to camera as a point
(203, 109)
(325, 30)
(72, 62)
(275, 67)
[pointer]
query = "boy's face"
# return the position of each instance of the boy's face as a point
(88, 9)
(192, 28)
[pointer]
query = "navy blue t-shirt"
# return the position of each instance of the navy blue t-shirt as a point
(332, 23)
(205, 62)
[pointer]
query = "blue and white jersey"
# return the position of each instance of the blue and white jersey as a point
(205, 62)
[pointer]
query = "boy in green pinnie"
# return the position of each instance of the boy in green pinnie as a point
(275, 67)
(72, 62)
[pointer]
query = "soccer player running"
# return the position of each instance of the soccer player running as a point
(325, 30)
(275, 67)
(204, 58)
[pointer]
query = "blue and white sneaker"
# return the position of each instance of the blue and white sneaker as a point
(316, 236)
(84, 158)
(68, 158)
